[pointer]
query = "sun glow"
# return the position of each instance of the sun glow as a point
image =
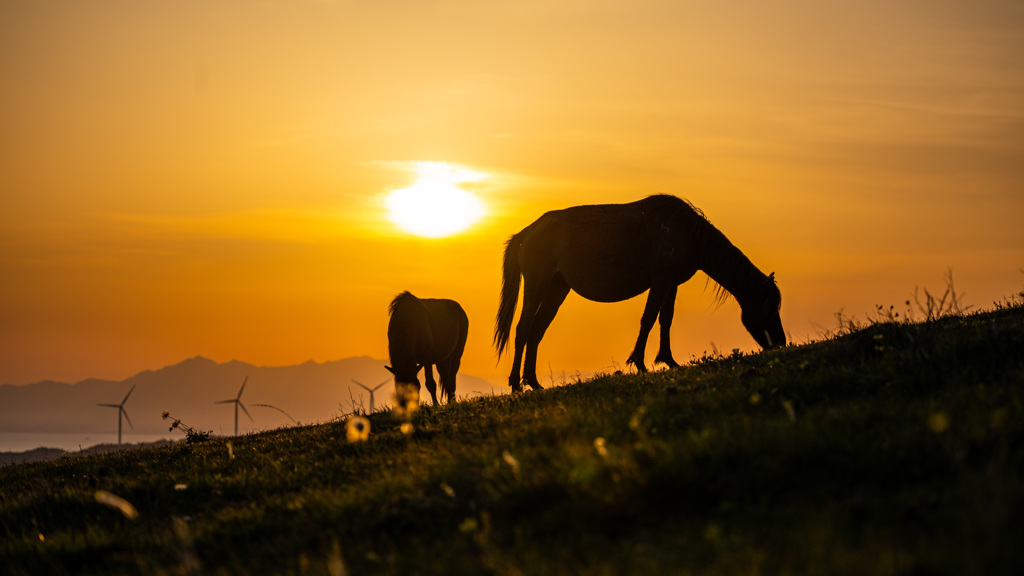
(435, 206)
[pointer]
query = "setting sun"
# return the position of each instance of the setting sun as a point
(435, 206)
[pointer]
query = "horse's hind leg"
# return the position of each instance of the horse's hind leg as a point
(446, 373)
(533, 296)
(668, 308)
(515, 380)
(451, 367)
(557, 290)
(428, 377)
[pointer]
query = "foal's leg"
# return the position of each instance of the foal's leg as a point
(451, 368)
(557, 291)
(428, 377)
(446, 372)
(442, 376)
(655, 299)
(668, 308)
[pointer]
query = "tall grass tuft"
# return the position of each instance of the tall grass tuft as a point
(192, 435)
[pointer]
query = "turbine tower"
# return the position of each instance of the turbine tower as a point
(371, 390)
(237, 400)
(121, 412)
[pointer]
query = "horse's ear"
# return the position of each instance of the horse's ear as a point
(772, 276)
(389, 369)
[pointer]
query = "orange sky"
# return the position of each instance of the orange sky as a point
(207, 177)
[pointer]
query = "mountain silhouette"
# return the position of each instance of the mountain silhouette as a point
(310, 392)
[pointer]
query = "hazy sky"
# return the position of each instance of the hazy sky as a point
(183, 178)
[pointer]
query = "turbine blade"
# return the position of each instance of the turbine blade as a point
(246, 411)
(123, 411)
(278, 409)
(224, 401)
(128, 394)
(242, 388)
(110, 405)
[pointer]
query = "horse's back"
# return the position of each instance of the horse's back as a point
(605, 228)
(445, 309)
(449, 324)
(605, 252)
(645, 208)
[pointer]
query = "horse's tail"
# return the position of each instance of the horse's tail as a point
(509, 293)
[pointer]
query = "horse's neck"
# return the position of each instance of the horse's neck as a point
(725, 264)
(410, 334)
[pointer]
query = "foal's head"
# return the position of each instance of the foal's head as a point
(408, 375)
(760, 315)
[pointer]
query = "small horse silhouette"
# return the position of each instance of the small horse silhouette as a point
(425, 332)
(613, 252)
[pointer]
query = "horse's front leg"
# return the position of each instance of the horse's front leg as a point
(428, 377)
(668, 308)
(655, 298)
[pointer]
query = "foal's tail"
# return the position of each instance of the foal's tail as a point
(509, 293)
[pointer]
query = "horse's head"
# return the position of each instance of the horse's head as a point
(760, 315)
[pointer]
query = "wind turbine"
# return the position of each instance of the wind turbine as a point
(121, 412)
(238, 404)
(371, 390)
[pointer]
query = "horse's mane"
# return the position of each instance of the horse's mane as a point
(404, 296)
(674, 206)
(716, 244)
(719, 295)
(401, 342)
(402, 337)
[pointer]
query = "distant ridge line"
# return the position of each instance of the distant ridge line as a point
(198, 360)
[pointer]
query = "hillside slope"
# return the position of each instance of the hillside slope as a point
(896, 449)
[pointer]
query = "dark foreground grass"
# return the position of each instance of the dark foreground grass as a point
(896, 449)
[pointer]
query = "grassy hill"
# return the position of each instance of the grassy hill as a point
(892, 449)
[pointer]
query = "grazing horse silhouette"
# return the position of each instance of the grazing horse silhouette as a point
(425, 332)
(612, 252)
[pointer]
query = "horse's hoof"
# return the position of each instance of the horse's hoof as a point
(638, 365)
(670, 362)
(637, 361)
